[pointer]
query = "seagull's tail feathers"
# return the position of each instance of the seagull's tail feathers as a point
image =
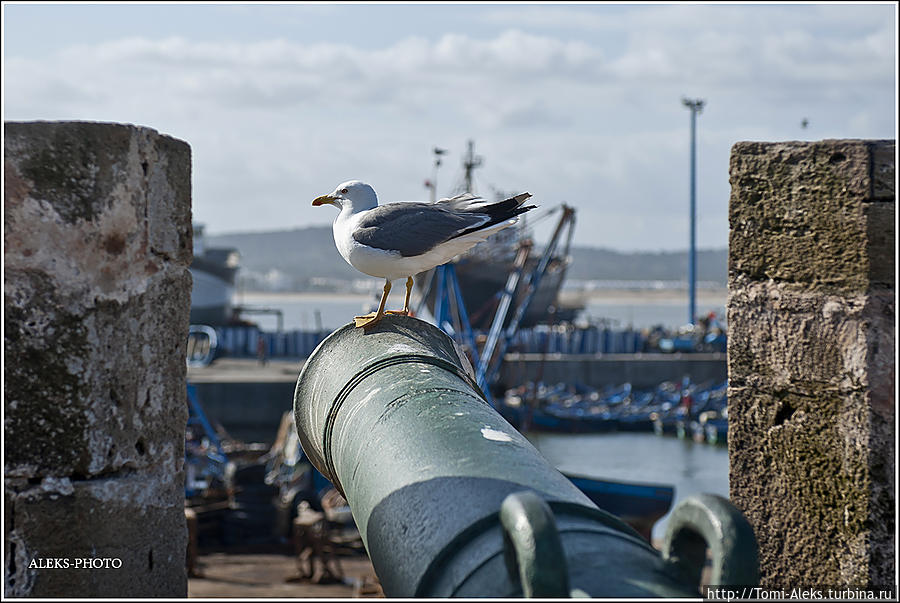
(469, 203)
(509, 208)
(498, 211)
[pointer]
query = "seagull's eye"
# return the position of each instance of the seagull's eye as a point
(343, 191)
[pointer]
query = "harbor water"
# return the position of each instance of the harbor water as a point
(691, 467)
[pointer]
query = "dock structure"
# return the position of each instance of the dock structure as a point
(811, 358)
(599, 370)
(246, 398)
(97, 294)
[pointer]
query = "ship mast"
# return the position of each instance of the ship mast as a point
(470, 162)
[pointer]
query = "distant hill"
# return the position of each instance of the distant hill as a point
(302, 253)
(591, 263)
(301, 256)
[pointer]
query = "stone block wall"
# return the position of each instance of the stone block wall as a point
(97, 242)
(811, 358)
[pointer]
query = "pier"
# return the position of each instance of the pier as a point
(249, 398)
(598, 370)
(245, 397)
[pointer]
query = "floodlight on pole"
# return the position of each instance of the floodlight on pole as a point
(432, 184)
(696, 106)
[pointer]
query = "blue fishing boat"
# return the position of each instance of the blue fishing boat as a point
(574, 408)
(637, 504)
(715, 426)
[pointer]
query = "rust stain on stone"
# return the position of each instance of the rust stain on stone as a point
(114, 244)
(15, 187)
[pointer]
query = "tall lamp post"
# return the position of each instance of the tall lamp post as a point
(696, 106)
(432, 184)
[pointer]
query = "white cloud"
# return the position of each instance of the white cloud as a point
(573, 103)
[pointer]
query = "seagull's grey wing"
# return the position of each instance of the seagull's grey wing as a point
(413, 228)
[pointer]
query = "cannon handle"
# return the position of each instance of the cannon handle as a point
(709, 521)
(532, 548)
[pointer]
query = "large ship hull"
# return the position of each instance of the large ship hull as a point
(482, 280)
(213, 287)
(210, 299)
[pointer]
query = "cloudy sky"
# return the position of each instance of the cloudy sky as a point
(576, 103)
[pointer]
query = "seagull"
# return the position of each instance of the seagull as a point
(397, 240)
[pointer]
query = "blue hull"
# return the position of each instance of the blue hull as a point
(639, 505)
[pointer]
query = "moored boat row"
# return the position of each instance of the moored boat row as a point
(686, 410)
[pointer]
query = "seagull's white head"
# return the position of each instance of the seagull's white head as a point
(353, 195)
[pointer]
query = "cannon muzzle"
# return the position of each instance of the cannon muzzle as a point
(451, 500)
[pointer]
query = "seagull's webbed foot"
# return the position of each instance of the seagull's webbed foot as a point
(369, 319)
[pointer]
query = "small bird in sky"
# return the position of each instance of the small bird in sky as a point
(401, 239)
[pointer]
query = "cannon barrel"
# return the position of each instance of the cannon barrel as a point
(452, 501)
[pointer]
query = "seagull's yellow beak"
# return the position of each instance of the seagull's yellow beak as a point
(329, 199)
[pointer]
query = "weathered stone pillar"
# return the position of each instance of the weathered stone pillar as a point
(811, 358)
(97, 238)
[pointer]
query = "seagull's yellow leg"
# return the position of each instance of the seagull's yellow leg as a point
(373, 317)
(409, 286)
(405, 310)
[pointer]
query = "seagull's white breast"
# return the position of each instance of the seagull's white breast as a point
(368, 260)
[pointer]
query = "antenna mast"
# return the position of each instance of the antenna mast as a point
(470, 162)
